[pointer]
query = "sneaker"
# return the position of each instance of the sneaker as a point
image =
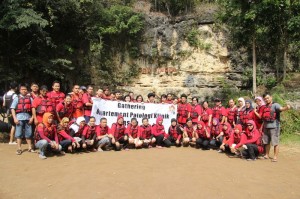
(159, 147)
(220, 151)
(43, 157)
(12, 143)
(100, 150)
(249, 159)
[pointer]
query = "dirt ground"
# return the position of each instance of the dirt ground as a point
(148, 173)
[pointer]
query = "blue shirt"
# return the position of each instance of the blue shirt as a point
(14, 104)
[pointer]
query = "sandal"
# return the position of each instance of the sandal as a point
(274, 160)
(19, 152)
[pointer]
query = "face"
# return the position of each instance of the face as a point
(250, 126)
(134, 123)
(258, 102)
(163, 99)
(43, 92)
(169, 97)
(120, 121)
(218, 103)
(113, 96)
(92, 122)
(23, 90)
(231, 103)
(268, 99)
(131, 95)
(173, 123)
(240, 103)
(183, 99)
(160, 122)
(189, 123)
(225, 127)
(56, 87)
(65, 124)
(34, 87)
(175, 101)
(236, 131)
(76, 89)
(118, 95)
(106, 91)
(50, 119)
(205, 105)
(127, 99)
(215, 122)
(103, 123)
(68, 100)
(99, 92)
(194, 101)
(90, 90)
(139, 99)
(199, 126)
(247, 105)
(145, 122)
(151, 99)
(82, 123)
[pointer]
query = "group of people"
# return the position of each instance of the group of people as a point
(58, 122)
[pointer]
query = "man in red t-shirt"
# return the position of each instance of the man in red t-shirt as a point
(88, 103)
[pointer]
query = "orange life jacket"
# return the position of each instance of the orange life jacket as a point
(45, 106)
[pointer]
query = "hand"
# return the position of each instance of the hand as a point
(36, 121)
(92, 142)
(195, 128)
(16, 121)
(30, 120)
(56, 146)
(74, 144)
(78, 145)
(288, 107)
(177, 141)
(84, 145)
(52, 145)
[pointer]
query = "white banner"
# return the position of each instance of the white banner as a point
(111, 109)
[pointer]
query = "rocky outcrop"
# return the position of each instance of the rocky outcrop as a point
(169, 63)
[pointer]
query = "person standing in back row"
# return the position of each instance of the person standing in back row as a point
(183, 110)
(271, 127)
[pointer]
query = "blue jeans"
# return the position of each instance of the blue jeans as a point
(65, 144)
(23, 125)
(44, 146)
(216, 143)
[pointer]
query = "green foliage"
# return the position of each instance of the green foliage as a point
(262, 78)
(194, 40)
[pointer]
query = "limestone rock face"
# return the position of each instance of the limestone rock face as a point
(168, 63)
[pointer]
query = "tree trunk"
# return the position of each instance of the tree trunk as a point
(254, 66)
(284, 63)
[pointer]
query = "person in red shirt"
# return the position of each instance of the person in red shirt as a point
(183, 110)
(226, 132)
(127, 98)
(89, 135)
(248, 113)
(118, 135)
(131, 94)
(175, 133)
(196, 111)
(77, 102)
(206, 115)
(67, 142)
(55, 95)
(158, 131)
(46, 138)
(219, 111)
(132, 133)
(188, 134)
(40, 105)
(145, 134)
(169, 98)
(88, 103)
(65, 109)
(215, 132)
(258, 112)
(202, 135)
(251, 142)
(103, 137)
(231, 113)
(233, 140)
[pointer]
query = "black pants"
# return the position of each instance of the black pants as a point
(173, 141)
(65, 144)
(202, 143)
(251, 151)
(161, 142)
